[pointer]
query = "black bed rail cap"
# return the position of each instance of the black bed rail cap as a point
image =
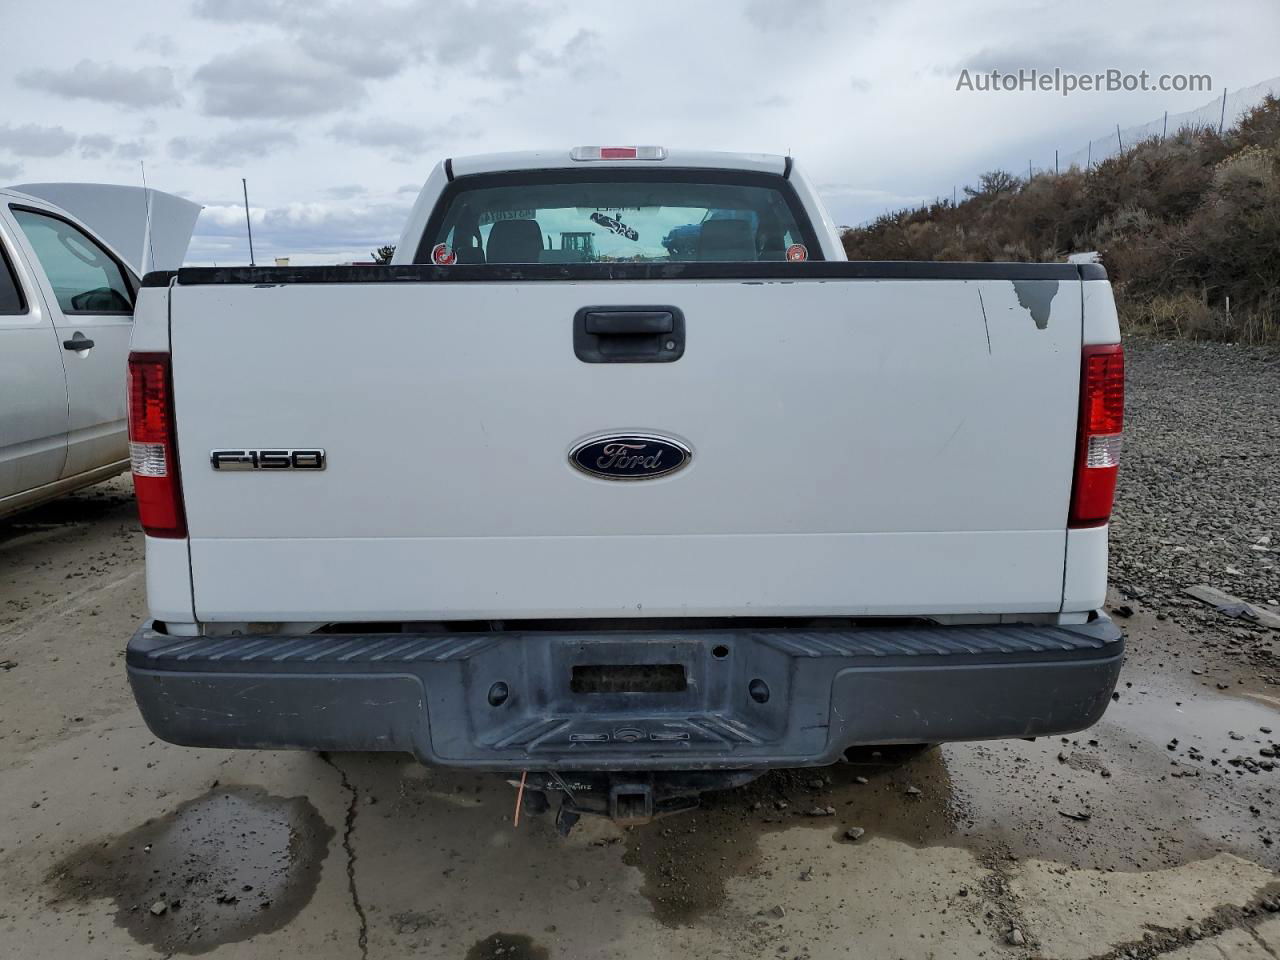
(159, 278)
(762, 271)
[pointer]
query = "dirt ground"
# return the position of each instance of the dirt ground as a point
(1156, 833)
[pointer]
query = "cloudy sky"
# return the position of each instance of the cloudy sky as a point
(336, 111)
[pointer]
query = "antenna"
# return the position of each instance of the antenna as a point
(247, 224)
(146, 195)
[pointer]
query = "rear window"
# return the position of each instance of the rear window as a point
(617, 217)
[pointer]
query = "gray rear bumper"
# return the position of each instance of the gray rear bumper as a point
(429, 694)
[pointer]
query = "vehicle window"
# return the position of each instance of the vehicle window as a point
(11, 300)
(85, 278)
(624, 219)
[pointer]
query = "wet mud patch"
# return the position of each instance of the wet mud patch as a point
(686, 860)
(1174, 772)
(507, 946)
(104, 502)
(223, 867)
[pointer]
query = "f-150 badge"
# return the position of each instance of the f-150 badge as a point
(274, 459)
(629, 456)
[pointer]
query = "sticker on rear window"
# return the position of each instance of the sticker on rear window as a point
(443, 255)
(493, 216)
(617, 226)
(797, 251)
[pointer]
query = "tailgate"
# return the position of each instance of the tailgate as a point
(858, 447)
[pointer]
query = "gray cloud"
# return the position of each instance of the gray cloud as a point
(371, 45)
(133, 150)
(581, 54)
(346, 191)
(33, 140)
(95, 145)
(770, 15)
(233, 147)
(366, 40)
(371, 40)
(243, 11)
(161, 43)
(380, 133)
(9, 171)
(403, 142)
(107, 83)
(1078, 52)
(273, 80)
(490, 39)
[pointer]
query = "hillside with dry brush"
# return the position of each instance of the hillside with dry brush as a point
(1188, 227)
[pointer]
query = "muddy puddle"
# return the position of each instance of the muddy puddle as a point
(70, 515)
(1162, 780)
(507, 946)
(687, 859)
(218, 869)
(1159, 782)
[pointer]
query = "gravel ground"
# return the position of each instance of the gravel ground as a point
(1199, 493)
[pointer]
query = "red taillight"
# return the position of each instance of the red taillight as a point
(153, 450)
(1098, 438)
(617, 153)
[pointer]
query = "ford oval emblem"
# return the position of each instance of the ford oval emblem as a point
(630, 456)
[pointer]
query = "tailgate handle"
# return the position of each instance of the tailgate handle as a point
(629, 322)
(628, 334)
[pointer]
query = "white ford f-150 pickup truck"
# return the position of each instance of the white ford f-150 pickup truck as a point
(621, 476)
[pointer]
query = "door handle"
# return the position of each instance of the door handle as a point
(628, 323)
(628, 334)
(78, 343)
